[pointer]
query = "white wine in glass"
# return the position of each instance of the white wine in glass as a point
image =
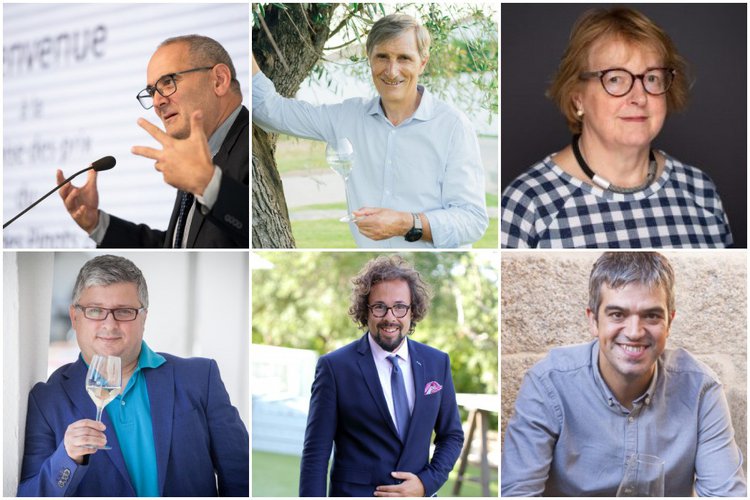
(103, 383)
(340, 157)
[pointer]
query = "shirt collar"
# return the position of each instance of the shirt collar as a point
(610, 398)
(424, 111)
(381, 354)
(217, 138)
(148, 358)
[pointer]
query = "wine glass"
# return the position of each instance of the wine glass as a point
(103, 383)
(644, 477)
(340, 157)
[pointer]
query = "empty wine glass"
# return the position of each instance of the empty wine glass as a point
(103, 384)
(644, 477)
(340, 157)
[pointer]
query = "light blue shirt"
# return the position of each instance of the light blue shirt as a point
(569, 436)
(130, 413)
(430, 163)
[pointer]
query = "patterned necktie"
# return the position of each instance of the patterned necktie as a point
(185, 203)
(400, 403)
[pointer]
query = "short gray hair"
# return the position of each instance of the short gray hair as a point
(107, 270)
(205, 51)
(394, 25)
(619, 269)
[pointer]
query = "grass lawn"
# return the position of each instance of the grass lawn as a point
(295, 155)
(277, 475)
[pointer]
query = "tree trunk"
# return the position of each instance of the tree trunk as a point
(299, 31)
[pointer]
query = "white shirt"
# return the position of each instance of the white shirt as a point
(384, 367)
(429, 164)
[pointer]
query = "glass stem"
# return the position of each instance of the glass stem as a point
(346, 193)
(99, 413)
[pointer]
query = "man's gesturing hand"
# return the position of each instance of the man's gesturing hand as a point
(184, 163)
(82, 202)
(411, 486)
(82, 434)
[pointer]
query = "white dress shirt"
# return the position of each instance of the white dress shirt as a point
(429, 164)
(385, 367)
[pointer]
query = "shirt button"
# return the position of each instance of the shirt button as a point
(648, 401)
(631, 419)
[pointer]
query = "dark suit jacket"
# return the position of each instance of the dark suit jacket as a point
(348, 408)
(198, 436)
(226, 225)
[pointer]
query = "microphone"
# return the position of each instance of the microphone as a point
(99, 165)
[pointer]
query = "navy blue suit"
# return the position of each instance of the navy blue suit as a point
(198, 435)
(348, 409)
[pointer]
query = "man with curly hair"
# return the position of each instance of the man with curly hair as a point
(380, 398)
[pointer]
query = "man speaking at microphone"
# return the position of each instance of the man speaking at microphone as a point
(192, 86)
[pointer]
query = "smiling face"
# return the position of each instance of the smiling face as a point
(389, 331)
(194, 90)
(109, 336)
(632, 325)
(396, 65)
(632, 120)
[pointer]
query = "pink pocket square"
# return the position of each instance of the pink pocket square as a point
(432, 388)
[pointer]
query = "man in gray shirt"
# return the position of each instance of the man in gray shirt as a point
(585, 410)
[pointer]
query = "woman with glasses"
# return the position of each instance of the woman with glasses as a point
(618, 78)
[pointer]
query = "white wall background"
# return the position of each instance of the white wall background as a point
(198, 306)
(70, 76)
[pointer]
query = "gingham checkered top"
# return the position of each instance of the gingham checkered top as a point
(547, 208)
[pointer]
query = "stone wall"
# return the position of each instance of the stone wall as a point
(543, 304)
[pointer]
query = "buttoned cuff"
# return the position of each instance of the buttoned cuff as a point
(211, 193)
(101, 228)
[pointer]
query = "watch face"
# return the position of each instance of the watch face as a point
(414, 234)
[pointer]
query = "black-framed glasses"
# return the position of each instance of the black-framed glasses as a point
(166, 86)
(379, 310)
(618, 81)
(97, 313)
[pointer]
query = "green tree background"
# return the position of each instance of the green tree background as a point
(302, 300)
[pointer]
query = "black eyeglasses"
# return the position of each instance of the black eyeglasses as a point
(379, 310)
(617, 81)
(166, 86)
(97, 313)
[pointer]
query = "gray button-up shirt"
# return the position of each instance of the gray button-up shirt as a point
(570, 436)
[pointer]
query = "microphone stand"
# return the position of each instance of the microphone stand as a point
(37, 202)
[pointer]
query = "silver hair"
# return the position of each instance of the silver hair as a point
(619, 269)
(394, 25)
(107, 270)
(205, 51)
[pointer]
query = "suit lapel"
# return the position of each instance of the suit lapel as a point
(370, 374)
(160, 384)
(74, 386)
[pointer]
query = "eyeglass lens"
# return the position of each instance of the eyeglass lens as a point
(618, 82)
(166, 86)
(380, 310)
(100, 313)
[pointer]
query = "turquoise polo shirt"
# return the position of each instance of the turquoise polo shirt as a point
(130, 413)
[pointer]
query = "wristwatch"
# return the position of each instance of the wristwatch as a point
(415, 233)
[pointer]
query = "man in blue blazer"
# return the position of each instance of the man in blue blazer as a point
(172, 430)
(380, 398)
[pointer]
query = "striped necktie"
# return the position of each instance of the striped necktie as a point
(186, 202)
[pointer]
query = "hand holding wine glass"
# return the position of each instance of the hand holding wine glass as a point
(103, 383)
(340, 157)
